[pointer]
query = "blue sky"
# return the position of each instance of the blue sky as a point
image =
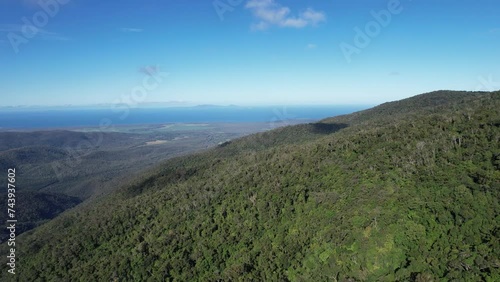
(255, 52)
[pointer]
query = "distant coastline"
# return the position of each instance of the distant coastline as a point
(62, 118)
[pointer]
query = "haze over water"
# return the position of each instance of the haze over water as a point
(33, 119)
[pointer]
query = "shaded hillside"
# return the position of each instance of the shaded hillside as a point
(294, 134)
(90, 165)
(61, 139)
(84, 165)
(33, 155)
(35, 208)
(412, 198)
(49, 161)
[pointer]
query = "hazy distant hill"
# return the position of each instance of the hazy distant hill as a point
(406, 191)
(49, 160)
(31, 154)
(78, 164)
(35, 208)
(61, 139)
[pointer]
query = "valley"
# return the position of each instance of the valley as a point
(58, 169)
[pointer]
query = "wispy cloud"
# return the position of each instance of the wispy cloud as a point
(311, 46)
(269, 13)
(40, 33)
(128, 29)
(47, 35)
(394, 73)
(31, 3)
(11, 28)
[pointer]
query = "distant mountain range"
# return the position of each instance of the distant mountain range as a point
(148, 105)
(98, 106)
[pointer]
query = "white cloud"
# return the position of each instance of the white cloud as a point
(313, 17)
(128, 29)
(269, 13)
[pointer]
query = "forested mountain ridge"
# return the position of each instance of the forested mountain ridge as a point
(405, 191)
(417, 105)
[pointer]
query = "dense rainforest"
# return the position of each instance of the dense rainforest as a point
(405, 191)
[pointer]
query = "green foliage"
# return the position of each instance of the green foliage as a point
(35, 208)
(409, 192)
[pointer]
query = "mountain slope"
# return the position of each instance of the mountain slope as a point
(34, 209)
(413, 107)
(409, 198)
(60, 139)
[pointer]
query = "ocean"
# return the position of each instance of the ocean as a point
(47, 119)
